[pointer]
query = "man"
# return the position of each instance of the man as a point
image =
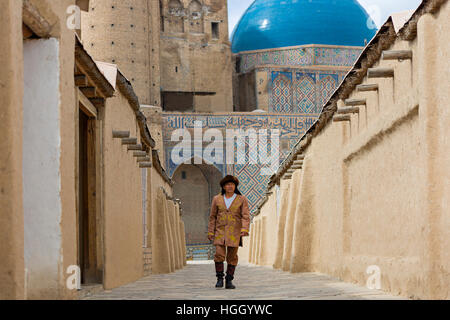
(228, 221)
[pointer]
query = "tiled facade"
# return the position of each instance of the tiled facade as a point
(302, 92)
(300, 79)
(200, 252)
(300, 56)
(253, 184)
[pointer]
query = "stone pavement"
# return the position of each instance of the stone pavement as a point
(196, 282)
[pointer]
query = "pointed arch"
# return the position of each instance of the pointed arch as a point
(281, 92)
(196, 17)
(195, 185)
(175, 17)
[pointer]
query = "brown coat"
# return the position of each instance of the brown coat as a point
(227, 224)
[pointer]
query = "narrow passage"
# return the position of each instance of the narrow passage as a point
(196, 282)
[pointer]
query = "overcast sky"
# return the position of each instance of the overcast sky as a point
(378, 9)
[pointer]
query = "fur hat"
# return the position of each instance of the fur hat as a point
(229, 178)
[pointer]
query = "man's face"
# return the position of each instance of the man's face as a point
(229, 187)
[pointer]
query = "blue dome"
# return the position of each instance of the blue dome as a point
(282, 23)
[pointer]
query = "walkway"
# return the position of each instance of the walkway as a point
(196, 282)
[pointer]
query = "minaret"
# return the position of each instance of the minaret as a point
(195, 52)
(176, 53)
(126, 33)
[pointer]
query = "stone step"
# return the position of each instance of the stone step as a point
(200, 251)
(200, 257)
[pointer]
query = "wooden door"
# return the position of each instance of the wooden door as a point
(87, 197)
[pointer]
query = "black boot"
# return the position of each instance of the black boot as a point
(228, 283)
(219, 274)
(229, 277)
(219, 283)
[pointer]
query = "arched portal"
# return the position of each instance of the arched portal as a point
(196, 185)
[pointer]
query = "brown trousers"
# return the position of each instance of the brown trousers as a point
(230, 253)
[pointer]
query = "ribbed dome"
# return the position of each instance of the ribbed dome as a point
(282, 23)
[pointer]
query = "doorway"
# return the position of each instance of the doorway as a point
(88, 234)
(196, 185)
